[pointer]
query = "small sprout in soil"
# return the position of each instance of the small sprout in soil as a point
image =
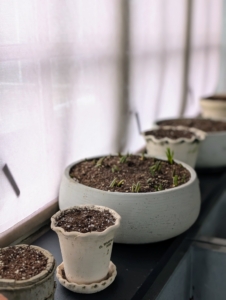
(149, 180)
(183, 178)
(143, 157)
(169, 155)
(120, 182)
(135, 187)
(152, 170)
(160, 187)
(114, 169)
(99, 162)
(123, 159)
(155, 168)
(175, 180)
(158, 165)
(113, 183)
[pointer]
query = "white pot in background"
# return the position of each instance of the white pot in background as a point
(212, 151)
(185, 149)
(86, 256)
(146, 217)
(214, 107)
(39, 287)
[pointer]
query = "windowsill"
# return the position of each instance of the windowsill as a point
(35, 222)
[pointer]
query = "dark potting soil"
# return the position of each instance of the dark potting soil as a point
(85, 220)
(20, 263)
(129, 174)
(206, 125)
(170, 133)
(216, 98)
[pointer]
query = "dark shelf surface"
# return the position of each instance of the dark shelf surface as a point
(137, 265)
(134, 263)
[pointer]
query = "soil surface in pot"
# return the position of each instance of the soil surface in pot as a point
(206, 125)
(20, 263)
(85, 220)
(131, 173)
(216, 98)
(170, 133)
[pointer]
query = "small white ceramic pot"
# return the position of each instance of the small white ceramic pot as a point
(86, 256)
(184, 149)
(212, 151)
(39, 287)
(146, 217)
(214, 107)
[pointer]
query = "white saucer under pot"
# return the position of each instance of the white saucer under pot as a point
(146, 217)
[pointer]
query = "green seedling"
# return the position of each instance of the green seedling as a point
(121, 182)
(99, 162)
(183, 178)
(175, 180)
(160, 187)
(155, 168)
(119, 154)
(113, 183)
(135, 187)
(123, 159)
(114, 169)
(169, 155)
(149, 180)
(152, 170)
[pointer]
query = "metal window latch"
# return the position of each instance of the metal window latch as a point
(12, 181)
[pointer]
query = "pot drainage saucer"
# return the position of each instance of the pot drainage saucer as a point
(83, 288)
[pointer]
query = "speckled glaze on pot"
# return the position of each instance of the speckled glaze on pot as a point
(185, 149)
(86, 256)
(215, 108)
(39, 287)
(146, 217)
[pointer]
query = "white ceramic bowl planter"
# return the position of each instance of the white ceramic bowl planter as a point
(86, 256)
(214, 107)
(212, 151)
(39, 287)
(185, 149)
(146, 217)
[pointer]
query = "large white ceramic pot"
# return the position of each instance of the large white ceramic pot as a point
(38, 287)
(146, 217)
(214, 107)
(86, 256)
(185, 149)
(212, 151)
